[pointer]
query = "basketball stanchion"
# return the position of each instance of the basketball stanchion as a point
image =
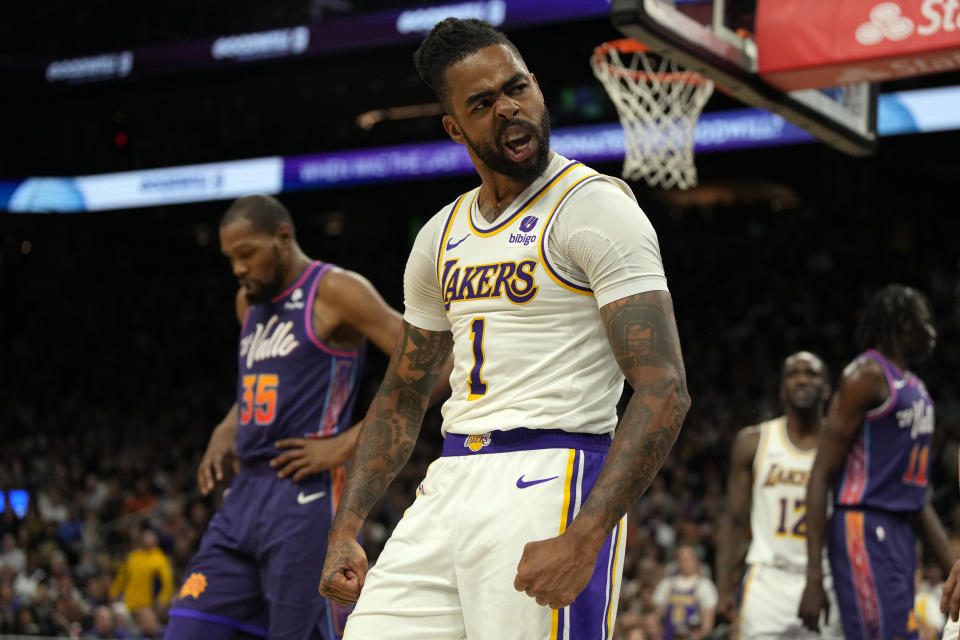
(658, 103)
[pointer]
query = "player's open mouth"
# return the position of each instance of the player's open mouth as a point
(518, 145)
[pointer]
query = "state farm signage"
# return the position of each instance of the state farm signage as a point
(824, 43)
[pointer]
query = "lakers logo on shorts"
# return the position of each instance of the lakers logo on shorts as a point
(475, 443)
(194, 586)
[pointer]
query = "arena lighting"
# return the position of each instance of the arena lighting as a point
(265, 44)
(421, 20)
(105, 66)
(919, 111)
(349, 33)
(368, 119)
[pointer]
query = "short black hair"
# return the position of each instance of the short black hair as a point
(450, 41)
(890, 312)
(265, 213)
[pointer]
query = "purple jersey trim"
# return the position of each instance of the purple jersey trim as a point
(612, 577)
(520, 210)
(575, 481)
(857, 471)
(883, 359)
(522, 439)
(243, 325)
(546, 228)
(339, 390)
(890, 403)
(297, 282)
(308, 320)
(221, 620)
(574, 494)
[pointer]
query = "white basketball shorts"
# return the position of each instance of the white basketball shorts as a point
(447, 571)
(768, 608)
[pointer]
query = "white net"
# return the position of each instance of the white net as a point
(659, 103)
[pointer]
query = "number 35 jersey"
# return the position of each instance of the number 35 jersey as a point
(291, 384)
(522, 297)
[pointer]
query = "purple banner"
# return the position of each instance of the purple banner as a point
(361, 31)
(404, 162)
(717, 131)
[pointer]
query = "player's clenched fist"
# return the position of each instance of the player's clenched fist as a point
(344, 570)
(554, 571)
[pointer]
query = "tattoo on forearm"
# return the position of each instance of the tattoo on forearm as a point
(390, 430)
(643, 336)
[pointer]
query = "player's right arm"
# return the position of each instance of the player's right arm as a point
(385, 442)
(735, 521)
(862, 388)
(392, 424)
(222, 445)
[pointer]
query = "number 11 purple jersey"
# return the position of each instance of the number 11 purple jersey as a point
(888, 466)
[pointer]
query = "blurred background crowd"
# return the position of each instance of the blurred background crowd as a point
(119, 357)
(118, 335)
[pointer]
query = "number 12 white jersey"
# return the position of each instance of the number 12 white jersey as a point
(522, 297)
(778, 511)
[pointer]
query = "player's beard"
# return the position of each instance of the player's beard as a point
(808, 408)
(268, 290)
(494, 157)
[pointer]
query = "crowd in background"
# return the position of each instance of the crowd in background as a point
(120, 359)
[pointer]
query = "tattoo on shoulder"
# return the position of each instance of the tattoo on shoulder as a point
(642, 330)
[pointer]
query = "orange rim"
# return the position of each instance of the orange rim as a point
(629, 45)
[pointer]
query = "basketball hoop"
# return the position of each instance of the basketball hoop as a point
(659, 103)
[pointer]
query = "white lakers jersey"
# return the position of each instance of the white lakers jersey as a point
(778, 512)
(530, 349)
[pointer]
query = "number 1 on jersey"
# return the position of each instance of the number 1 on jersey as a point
(477, 388)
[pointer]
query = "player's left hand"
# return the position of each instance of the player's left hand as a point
(306, 456)
(554, 571)
(950, 600)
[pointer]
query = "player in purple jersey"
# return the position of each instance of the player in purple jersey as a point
(304, 326)
(874, 449)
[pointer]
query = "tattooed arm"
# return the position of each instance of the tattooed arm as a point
(386, 440)
(642, 333)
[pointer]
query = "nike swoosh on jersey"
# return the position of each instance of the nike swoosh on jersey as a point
(453, 245)
(304, 499)
(523, 484)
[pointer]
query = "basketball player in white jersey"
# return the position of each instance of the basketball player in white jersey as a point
(766, 491)
(547, 283)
